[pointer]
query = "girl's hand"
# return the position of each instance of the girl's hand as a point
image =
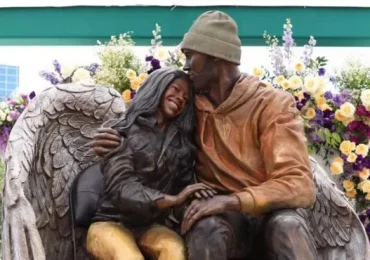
(200, 190)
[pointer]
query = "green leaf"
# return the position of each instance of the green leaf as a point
(336, 137)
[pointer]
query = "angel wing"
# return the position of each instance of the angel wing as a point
(333, 223)
(47, 148)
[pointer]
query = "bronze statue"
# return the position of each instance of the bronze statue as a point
(150, 174)
(273, 201)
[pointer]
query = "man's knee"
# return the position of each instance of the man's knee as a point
(285, 221)
(209, 227)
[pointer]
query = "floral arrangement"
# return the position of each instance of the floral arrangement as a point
(337, 122)
(119, 66)
(67, 74)
(10, 111)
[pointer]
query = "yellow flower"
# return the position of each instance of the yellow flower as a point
(135, 83)
(142, 77)
(320, 101)
(362, 149)
(336, 168)
(351, 194)
(285, 84)
(310, 113)
(338, 160)
(348, 185)
(162, 54)
(309, 84)
(299, 66)
(130, 74)
(80, 75)
(258, 72)
(299, 95)
(365, 97)
(267, 84)
(346, 147)
(347, 110)
(351, 157)
(126, 95)
(339, 116)
(364, 174)
(365, 186)
(295, 82)
(367, 197)
(279, 79)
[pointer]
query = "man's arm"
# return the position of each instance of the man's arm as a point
(283, 148)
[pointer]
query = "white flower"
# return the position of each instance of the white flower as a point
(309, 84)
(81, 75)
(365, 97)
(66, 71)
(162, 54)
(295, 82)
(2, 115)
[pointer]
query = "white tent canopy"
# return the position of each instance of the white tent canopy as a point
(303, 3)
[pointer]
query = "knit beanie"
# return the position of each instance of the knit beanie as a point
(216, 34)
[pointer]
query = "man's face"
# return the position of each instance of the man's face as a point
(201, 70)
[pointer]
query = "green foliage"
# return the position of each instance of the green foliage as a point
(117, 56)
(354, 75)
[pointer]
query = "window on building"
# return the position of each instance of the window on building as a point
(9, 81)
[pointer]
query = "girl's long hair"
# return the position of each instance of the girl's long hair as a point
(148, 97)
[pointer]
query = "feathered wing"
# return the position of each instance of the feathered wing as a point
(333, 223)
(47, 148)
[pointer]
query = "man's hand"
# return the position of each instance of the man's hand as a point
(105, 140)
(202, 208)
(200, 190)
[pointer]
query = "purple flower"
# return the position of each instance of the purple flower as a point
(321, 72)
(92, 68)
(329, 114)
(51, 77)
(342, 98)
(362, 218)
(314, 137)
(319, 113)
(328, 95)
(57, 66)
(361, 111)
(14, 115)
(12, 102)
(149, 58)
(299, 105)
(24, 96)
(32, 95)
(366, 162)
(307, 96)
(358, 167)
(133, 93)
(22, 107)
(155, 64)
(355, 139)
(353, 126)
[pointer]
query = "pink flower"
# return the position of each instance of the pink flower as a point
(361, 111)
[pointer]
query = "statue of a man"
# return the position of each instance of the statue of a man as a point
(252, 150)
